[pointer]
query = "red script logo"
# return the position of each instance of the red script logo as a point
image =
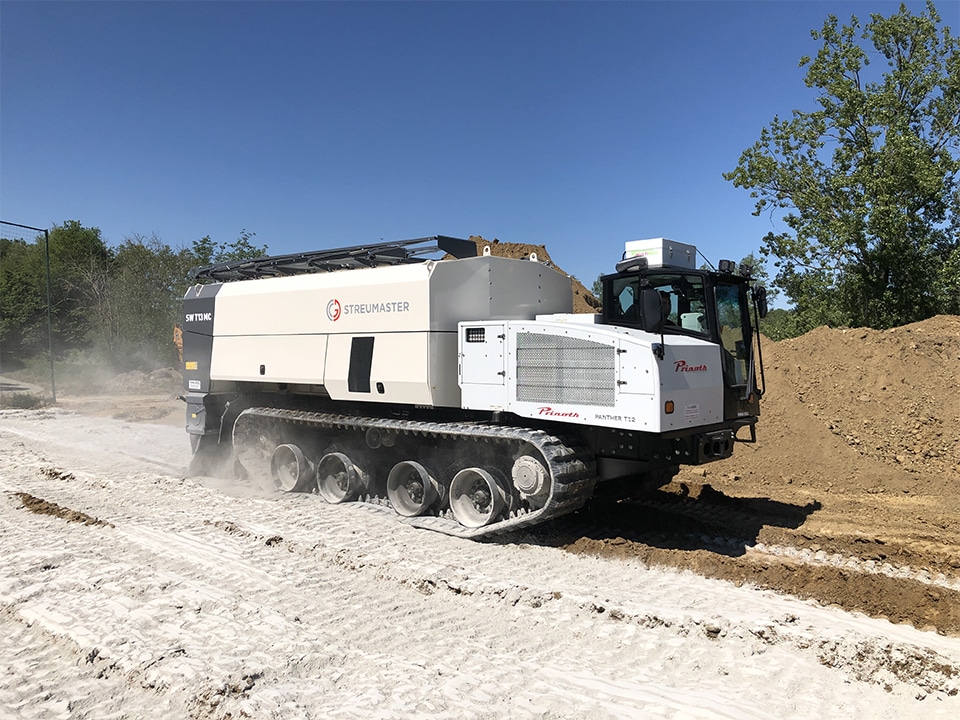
(681, 366)
(550, 412)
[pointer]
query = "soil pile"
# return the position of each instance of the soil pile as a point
(891, 396)
(162, 381)
(859, 410)
(852, 491)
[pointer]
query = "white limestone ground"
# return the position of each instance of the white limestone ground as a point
(205, 598)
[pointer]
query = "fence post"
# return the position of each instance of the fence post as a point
(53, 384)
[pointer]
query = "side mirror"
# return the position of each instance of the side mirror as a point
(760, 298)
(651, 315)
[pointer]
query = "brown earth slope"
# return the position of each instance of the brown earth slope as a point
(851, 494)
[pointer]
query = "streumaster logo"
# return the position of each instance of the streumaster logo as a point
(333, 310)
(682, 366)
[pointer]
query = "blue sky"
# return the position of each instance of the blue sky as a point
(323, 124)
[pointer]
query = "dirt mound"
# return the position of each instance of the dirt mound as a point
(891, 396)
(852, 406)
(859, 430)
(43, 507)
(162, 381)
(862, 411)
(583, 300)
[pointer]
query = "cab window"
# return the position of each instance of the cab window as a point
(732, 340)
(681, 298)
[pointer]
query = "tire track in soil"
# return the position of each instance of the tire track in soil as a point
(703, 536)
(927, 670)
(207, 592)
(44, 692)
(218, 567)
(474, 656)
(122, 437)
(202, 568)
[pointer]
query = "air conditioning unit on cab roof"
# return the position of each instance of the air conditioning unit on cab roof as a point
(661, 252)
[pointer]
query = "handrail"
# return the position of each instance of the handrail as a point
(345, 258)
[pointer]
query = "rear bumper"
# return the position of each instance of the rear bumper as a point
(711, 446)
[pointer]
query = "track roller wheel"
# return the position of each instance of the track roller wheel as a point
(477, 497)
(412, 488)
(531, 478)
(289, 469)
(338, 479)
(375, 438)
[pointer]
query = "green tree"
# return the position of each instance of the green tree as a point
(948, 283)
(208, 252)
(780, 324)
(121, 303)
(147, 283)
(22, 300)
(79, 267)
(867, 183)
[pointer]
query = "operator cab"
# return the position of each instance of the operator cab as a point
(657, 288)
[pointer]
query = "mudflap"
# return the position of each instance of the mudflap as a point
(210, 428)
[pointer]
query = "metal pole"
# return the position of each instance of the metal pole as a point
(46, 236)
(53, 384)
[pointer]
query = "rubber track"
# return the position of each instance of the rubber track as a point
(572, 469)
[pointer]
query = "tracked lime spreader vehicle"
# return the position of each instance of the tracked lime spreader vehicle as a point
(461, 394)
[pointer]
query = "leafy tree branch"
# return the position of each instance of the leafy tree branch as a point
(867, 183)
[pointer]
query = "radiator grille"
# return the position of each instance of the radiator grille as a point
(560, 369)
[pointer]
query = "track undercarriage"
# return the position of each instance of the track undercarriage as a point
(463, 479)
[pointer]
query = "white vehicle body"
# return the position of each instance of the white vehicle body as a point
(589, 374)
(401, 332)
(463, 393)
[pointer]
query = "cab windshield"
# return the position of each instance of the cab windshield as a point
(681, 298)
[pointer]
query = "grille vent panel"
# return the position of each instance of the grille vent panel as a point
(565, 370)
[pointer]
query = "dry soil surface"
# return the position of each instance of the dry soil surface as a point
(814, 575)
(851, 494)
